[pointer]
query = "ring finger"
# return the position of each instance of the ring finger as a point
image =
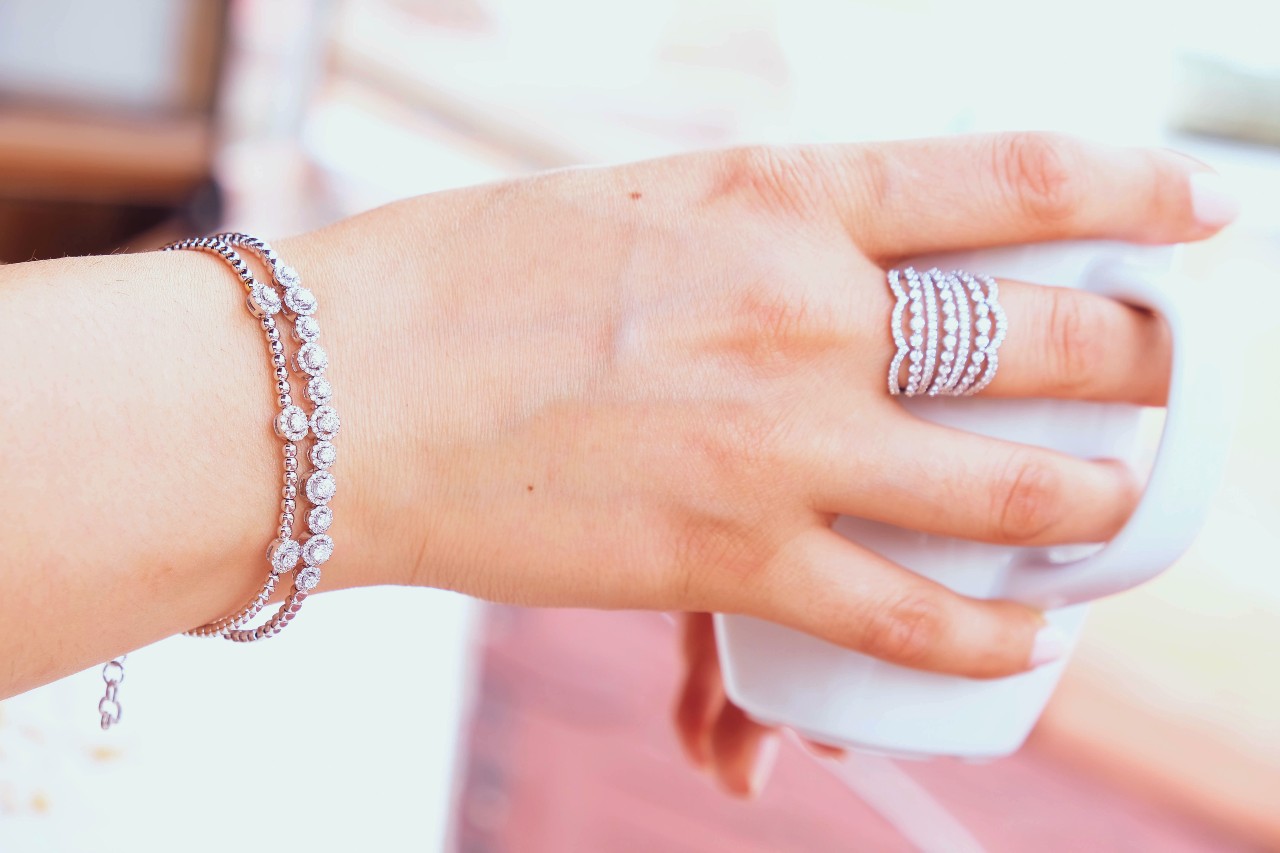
(1068, 343)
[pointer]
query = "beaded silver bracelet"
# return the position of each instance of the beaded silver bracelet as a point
(292, 424)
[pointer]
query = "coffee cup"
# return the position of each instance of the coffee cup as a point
(837, 696)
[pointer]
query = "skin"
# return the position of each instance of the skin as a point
(648, 386)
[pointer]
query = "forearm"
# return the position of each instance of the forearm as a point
(140, 476)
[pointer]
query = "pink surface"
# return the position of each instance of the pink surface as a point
(572, 750)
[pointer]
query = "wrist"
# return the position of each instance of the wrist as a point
(372, 306)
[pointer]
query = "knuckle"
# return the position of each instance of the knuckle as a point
(712, 556)
(907, 630)
(777, 325)
(1028, 498)
(874, 175)
(748, 442)
(1037, 175)
(777, 179)
(1076, 341)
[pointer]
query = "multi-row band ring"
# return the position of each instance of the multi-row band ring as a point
(947, 329)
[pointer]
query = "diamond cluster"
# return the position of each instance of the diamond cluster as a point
(320, 485)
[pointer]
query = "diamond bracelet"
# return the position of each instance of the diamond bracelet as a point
(292, 424)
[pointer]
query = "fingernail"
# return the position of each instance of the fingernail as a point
(766, 757)
(1051, 643)
(1212, 201)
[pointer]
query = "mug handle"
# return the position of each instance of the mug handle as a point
(1188, 469)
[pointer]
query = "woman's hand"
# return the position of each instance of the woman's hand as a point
(656, 385)
(648, 386)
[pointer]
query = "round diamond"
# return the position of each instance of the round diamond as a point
(917, 340)
(319, 390)
(311, 359)
(917, 323)
(291, 423)
(917, 307)
(916, 355)
(323, 454)
(308, 578)
(947, 357)
(325, 422)
(949, 341)
(287, 276)
(978, 358)
(263, 300)
(984, 324)
(283, 555)
(306, 329)
(951, 324)
(981, 341)
(982, 309)
(300, 301)
(317, 550)
(321, 487)
(319, 519)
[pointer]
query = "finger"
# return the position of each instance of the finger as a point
(1073, 344)
(935, 479)
(702, 694)
(744, 751)
(825, 585)
(905, 198)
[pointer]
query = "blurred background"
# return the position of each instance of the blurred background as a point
(454, 725)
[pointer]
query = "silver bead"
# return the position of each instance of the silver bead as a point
(288, 505)
(278, 360)
(284, 400)
(290, 450)
(291, 478)
(281, 372)
(276, 346)
(291, 464)
(289, 492)
(283, 386)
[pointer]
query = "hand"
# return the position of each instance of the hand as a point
(656, 385)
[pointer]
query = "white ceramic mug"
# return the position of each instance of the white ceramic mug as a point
(833, 695)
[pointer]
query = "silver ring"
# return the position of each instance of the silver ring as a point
(947, 328)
